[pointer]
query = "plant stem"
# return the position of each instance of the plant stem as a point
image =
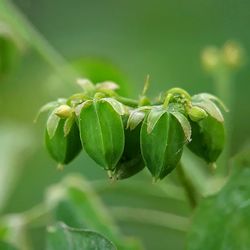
(187, 185)
(28, 33)
(127, 101)
(223, 87)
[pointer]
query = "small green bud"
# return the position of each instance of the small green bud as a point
(197, 114)
(63, 111)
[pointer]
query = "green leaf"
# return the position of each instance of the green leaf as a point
(135, 118)
(214, 98)
(162, 148)
(210, 107)
(75, 202)
(117, 106)
(208, 139)
(184, 123)
(68, 125)
(52, 124)
(153, 117)
(107, 85)
(102, 134)
(79, 107)
(86, 84)
(66, 238)
(46, 107)
(222, 222)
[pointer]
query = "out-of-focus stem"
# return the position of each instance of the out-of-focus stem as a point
(127, 101)
(223, 81)
(29, 34)
(188, 186)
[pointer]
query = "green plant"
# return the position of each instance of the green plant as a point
(123, 136)
(166, 124)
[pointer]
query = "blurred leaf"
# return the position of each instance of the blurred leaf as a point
(75, 203)
(62, 237)
(14, 140)
(6, 246)
(107, 85)
(222, 222)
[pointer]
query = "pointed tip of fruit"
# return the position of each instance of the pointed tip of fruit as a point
(112, 177)
(60, 167)
(155, 180)
(212, 166)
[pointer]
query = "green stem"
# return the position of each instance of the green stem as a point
(127, 101)
(28, 33)
(223, 87)
(188, 186)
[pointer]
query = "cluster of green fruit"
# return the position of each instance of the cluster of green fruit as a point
(123, 136)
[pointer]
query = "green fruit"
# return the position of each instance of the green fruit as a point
(102, 133)
(131, 161)
(63, 149)
(162, 140)
(208, 138)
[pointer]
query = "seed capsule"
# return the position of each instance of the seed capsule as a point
(208, 138)
(63, 149)
(162, 140)
(131, 161)
(101, 132)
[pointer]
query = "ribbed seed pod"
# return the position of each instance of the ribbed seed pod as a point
(102, 133)
(208, 138)
(162, 140)
(131, 161)
(63, 148)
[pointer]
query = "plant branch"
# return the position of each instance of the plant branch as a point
(29, 34)
(127, 101)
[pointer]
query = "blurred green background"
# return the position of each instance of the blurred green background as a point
(130, 39)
